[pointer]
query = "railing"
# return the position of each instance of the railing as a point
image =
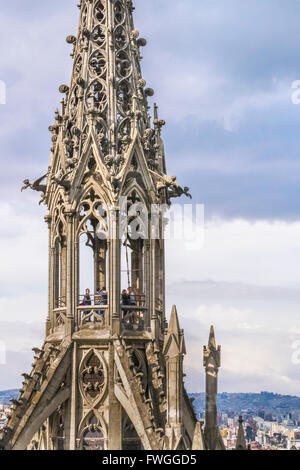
(133, 310)
(92, 313)
(87, 314)
(133, 317)
(60, 317)
(92, 309)
(138, 300)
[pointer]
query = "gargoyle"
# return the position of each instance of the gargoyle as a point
(174, 189)
(36, 185)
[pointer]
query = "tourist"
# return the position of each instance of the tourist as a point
(131, 295)
(125, 301)
(87, 301)
(103, 300)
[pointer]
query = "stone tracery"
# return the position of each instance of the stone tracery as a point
(104, 146)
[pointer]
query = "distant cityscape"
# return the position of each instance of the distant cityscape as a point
(271, 421)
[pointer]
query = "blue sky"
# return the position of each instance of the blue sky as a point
(222, 71)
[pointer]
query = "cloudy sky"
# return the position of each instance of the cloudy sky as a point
(222, 71)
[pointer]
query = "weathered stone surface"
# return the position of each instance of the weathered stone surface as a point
(109, 375)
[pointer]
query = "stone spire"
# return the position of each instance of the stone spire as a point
(106, 377)
(212, 363)
(241, 440)
(104, 121)
(104, 126)
(106, 82)
(174, 351)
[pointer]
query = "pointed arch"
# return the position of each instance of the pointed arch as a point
(91, 231)
(130, 437)
(136, 151)
(92, 148)
(92, 431)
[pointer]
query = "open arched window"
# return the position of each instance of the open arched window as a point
(93, 257)
(60, 267)
(93, 438)
(58, 429)
(130, 438)
(134, 259)
(93, 234)
(134, 234)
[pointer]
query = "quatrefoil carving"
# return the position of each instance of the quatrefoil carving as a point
(93, 377)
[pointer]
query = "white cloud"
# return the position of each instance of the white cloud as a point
(245, 281)
(250, 320)
(24, 258)
(259, 253)
(202, 73)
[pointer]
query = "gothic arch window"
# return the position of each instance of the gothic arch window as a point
(135, 216)
(58, 429)
(130, 438)
(134, 260)
(93, 247)
(60, 267)
(93, 437)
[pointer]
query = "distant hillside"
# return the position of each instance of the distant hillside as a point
(238, 402)
(231, 402)
(6, 395)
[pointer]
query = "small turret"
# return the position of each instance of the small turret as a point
(212, 362)
(174, 351)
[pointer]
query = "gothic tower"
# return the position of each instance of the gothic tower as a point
(110, 372)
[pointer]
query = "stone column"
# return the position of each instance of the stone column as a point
(147, 283)
(155, 326)
(69, 273)
(100, 263)
(48, 220)
(72, 430)
(76, 277)
(115, 408)
(63, 274)
(114, 271)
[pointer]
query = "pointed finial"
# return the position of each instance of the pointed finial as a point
(158, 123)
(174, 334)
(212, 339)
(174, 322)
(241, 440)
(198, 440)
(63, 107)
(155, 113)
(212, 353)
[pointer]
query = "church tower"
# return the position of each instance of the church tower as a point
(110, 372)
